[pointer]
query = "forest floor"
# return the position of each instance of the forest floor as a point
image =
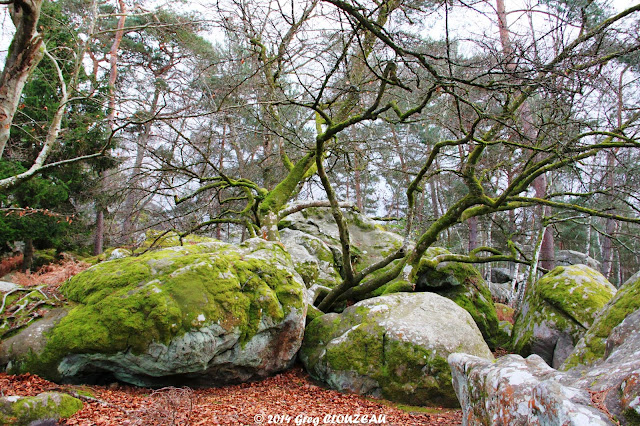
(288, 398)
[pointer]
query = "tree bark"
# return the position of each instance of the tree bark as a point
(130, 201)
(473, 232)
(25, 52)
(27, 261)
(98, 241)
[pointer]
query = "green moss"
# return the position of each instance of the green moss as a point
(632, 417)
(126, 304)
(396, 286)
(313, 313)
(47, 405)
(576, 291)
(568, 300)
(405, 372)
(462, 283)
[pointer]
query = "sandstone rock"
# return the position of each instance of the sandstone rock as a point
(558, 310)
(119, 253)
(6, 287)
(592, 345)
(392, 346)
(572, 257)
(616, 378)
(312, 258)
(19, 410)
(206, 314)
(500, 292)
(370, 243)
(501, 275)
(514, 390)
(463, 284)
(518, 391)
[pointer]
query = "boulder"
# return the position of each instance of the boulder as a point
(204, 314)
(19, 410)
(6, 287)
(370, 243)
(312, 258)
(500, 292)
(572, 257)
(119, 253)
(463, 284)
(392, 346)
(591, 346)
(514, 390)
(501, 275)
(517, 391)
(558, 310)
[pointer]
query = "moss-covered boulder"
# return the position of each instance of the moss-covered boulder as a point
(557, 311)
(393, 346)
(206, 314)
(370, 242)
(463, 284)
(312, 258)
(591, 346)
(17, 410)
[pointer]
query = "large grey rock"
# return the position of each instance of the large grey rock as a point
(462, 283)
(312, 258)
(500, 292)
(393, 346)
(203, 314)
(558, 310)
(519, 391)
(369, 242)
(119, 253)
(572, 257)
(501, 275)
(6, 287)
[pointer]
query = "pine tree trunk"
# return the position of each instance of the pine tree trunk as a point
(27, 261)
(98, 241)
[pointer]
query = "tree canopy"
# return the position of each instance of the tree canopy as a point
(502, 139)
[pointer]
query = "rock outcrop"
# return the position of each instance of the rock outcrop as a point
(517, 391)
(572, 257)
(558, 310)
(206, 314)
(312, 238)
(393, 346)
(313, 259)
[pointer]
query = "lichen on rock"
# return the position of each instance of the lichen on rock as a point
(18, 410)
(392, 346)
(591, 346)
(558, 310)
(462, 283)
(221, 312)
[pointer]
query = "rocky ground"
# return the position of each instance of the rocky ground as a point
(288, 398)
